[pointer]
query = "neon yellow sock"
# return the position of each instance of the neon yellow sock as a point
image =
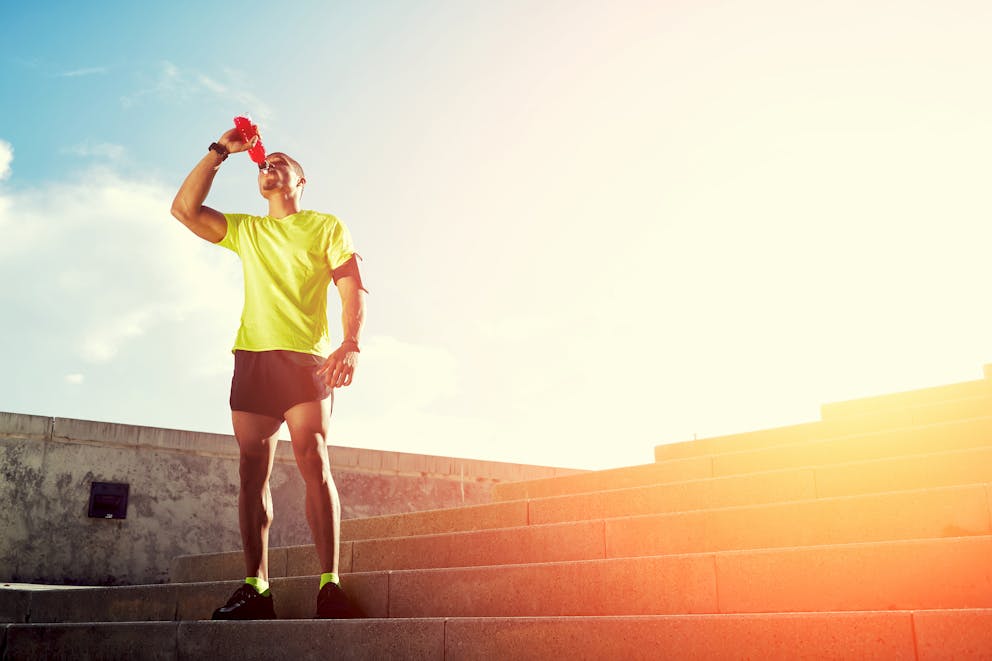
(329, 577)
(259, 584)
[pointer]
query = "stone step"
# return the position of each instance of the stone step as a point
(945, 469)
(925, 635)
(920, 471)
(862, 406)
(895, 575)
(938, 437)
(924, 414)
(916, 514)
(904, 575)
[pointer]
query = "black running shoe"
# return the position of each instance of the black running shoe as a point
(333, 604)
(246, 604)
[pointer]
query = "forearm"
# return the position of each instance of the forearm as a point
(193, 192)
(352, 316)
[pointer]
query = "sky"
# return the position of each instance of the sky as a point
(588, 228)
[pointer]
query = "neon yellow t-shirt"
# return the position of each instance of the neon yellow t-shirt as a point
(287, 264)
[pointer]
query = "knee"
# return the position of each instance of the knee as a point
(313, 462)
(254, 470)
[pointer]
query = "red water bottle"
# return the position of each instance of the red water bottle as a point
(249, 131)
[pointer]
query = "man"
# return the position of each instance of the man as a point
(289, 257)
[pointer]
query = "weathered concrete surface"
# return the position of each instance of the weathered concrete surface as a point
(963, 634)
(897, 473)
(917, 514)
(971, 399)
(575, 541)
(155, 641)
(353, 639)
(942, 437)
(904, 515)
(183, 496)
(14, 605)
(918, 574)
(820, 636)
(896, 635)
(759, 488)
(629, 586)
(855, 408)
(473, 517)
(675, 470)
(136, 603)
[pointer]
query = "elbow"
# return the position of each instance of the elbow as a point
(179, 211)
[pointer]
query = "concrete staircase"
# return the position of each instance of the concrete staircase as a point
(867, 534)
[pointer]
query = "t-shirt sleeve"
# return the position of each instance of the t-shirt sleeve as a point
(340, 248)
(230, 240)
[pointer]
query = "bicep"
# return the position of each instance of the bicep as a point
(349, 271)
(208, 224)
(351, 291)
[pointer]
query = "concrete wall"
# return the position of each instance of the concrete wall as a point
(183, 496)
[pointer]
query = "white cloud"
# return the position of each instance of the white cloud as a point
(6, 158)
(74, 379)
(89, 71)
(174, 83)
(101, 150)
(117, 264)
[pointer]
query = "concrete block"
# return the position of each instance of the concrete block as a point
(227, 566)
(117, 604)
(188, 441)
(902, 473)
(953, 634)
(926, 414)
(947, 512)
(68, 429)
(195, 568)
(390, 461)
(368, 591)
(956, 435)
(293, 597)
(670, 584)
(343, 457)
(313, 640)
(22, 518)
(198, 601)
(477, 517)
(738, 441)
(19, 425)
(551, 543)
(785, 637)
(678, 497)
(14, 605)
(915, 416)
(413, 463)
(988, 491)
(678, 470)
(135, 640)
(303, 560)
(370, 460)
(901, 400)
(930, 574)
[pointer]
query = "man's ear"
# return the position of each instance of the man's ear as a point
(302, 181)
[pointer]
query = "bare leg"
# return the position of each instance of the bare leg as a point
(258, 436)
(308, 427)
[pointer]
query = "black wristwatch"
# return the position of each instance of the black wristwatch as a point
(220, 149)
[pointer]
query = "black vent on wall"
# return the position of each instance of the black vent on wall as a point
(108, 500)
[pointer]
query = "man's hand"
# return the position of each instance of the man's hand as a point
(339, 368)
(234, 143)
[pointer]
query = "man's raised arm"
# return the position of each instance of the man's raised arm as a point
(188, 207)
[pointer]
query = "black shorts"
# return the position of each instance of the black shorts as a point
(272, 382)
